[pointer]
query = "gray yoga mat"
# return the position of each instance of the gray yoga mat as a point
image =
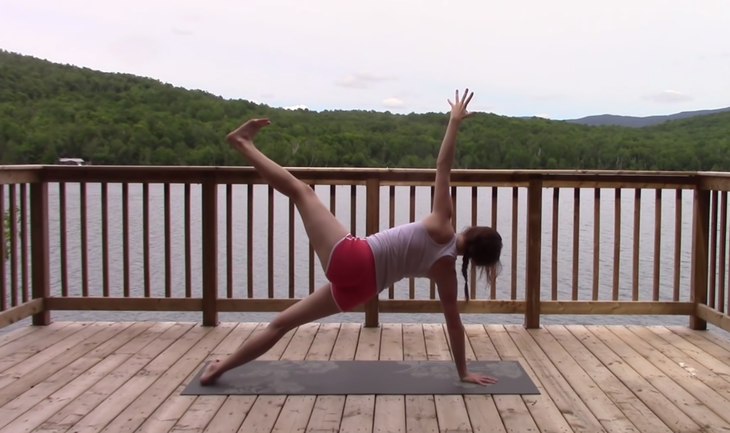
(363, 377)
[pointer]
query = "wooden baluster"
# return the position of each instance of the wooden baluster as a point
(596, 240)
(637, 243)
(616, 244)
(3, 287)
(576, 241)
(210, 251)
(40, 250)
(554, 255)
(700, 246)
(105, 238)
(534, 253)
(657, 241)
(372, 225)
(125, 237)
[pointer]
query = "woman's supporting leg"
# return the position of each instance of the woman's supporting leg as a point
(316, 306)
(323, 229)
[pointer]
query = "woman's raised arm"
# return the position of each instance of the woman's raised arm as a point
(442, 206)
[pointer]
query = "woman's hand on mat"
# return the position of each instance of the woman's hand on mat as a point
(479, 379)
(458, 107)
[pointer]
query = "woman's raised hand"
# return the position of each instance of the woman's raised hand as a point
(458, 108)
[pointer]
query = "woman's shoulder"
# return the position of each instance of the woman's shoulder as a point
(439, 229)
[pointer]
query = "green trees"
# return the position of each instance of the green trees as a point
(50, 110)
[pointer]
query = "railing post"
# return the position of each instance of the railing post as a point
(533, 253)
(40, 249)
(210, 251)
(700, 247)
(372, 225)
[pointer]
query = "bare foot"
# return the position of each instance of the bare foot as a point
(246, 132)
(211, 374)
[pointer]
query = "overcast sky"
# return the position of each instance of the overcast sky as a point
(554, 58)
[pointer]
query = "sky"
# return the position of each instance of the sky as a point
(559, 59)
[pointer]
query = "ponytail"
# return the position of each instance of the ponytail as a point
(464, 269)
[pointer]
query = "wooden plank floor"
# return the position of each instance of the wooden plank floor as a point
(127, 377)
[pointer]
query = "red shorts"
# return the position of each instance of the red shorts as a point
(351, 272)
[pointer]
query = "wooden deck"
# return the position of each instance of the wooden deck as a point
(126, 377)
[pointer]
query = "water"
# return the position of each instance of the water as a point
(281, 221)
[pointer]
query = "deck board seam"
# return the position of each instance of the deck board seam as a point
(722, 414)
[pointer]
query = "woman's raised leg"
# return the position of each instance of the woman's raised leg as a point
(316, 306)
(323, 229)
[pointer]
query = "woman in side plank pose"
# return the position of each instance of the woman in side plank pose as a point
(359, 269)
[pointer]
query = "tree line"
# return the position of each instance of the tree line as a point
(51, 110)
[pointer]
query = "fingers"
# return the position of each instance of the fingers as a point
(263, 121)
(457, 96)
(461, 104)
(481, 379)
(465, 99)
(486, 380)
(471, 95)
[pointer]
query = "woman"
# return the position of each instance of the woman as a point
(358, 269)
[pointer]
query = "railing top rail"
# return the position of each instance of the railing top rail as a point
(713, 174)
(714, 180)
(368, 170)
(359, 175)
(12, 174)
(21, 167)
(28, 173)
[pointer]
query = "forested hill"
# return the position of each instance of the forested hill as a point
(50, 110)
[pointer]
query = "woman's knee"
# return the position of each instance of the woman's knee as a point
(303, 192)
(279, 326)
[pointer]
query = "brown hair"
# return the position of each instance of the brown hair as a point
(482, 246)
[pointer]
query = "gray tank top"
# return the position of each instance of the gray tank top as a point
(406, 251)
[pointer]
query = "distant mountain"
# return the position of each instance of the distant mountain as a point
(638, 122)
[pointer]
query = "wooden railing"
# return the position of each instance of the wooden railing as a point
(24, 250)
(198, 249)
